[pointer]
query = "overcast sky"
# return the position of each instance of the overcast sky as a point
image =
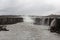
(29, 7)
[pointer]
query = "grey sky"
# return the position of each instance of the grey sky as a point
(29, 7)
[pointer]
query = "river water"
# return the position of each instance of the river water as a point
(27, 31)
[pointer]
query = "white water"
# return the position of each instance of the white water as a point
(28, 19)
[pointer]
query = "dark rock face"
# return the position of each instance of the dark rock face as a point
(3, 28)
(6, 21)
(37, 21)
(56, 27)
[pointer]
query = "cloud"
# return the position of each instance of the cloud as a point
(29, 7)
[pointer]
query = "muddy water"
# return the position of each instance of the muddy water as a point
(27, 31)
